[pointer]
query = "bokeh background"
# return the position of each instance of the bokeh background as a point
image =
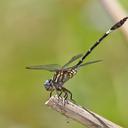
(36, 32)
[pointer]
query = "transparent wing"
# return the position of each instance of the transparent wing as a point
(49, 67)
(72, 60)
(85, 64)
(90, 62)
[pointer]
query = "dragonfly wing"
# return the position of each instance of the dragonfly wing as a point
(49, 67)
(87, 63)
(72, 60)
(90, 62)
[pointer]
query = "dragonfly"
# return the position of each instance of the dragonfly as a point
(63, 73)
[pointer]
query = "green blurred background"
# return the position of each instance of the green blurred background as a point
(36, 32)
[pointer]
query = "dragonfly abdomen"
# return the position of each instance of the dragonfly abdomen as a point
(72, 72)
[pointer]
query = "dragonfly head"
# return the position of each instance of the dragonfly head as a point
(48, 84)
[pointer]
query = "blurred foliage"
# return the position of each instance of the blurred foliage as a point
(52, 31)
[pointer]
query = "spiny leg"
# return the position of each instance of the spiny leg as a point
(65, 98)
(68, 92)
(51, 92)
(65, 95)
(114, 27)
(60, 93)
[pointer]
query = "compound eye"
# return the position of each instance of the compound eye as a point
(47, 82)
(48, 85)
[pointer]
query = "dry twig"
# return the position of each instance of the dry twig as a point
(80, 114)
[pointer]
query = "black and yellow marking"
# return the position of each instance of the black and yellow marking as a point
(114, 27)
(63, 76)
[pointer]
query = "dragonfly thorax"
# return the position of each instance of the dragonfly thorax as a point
(48, 84)
(62, 76)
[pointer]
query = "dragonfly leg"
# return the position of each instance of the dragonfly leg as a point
(65, 95)
(57, 92)
(66, 91)
(60, 93)
(65, 101)
(51, 93)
